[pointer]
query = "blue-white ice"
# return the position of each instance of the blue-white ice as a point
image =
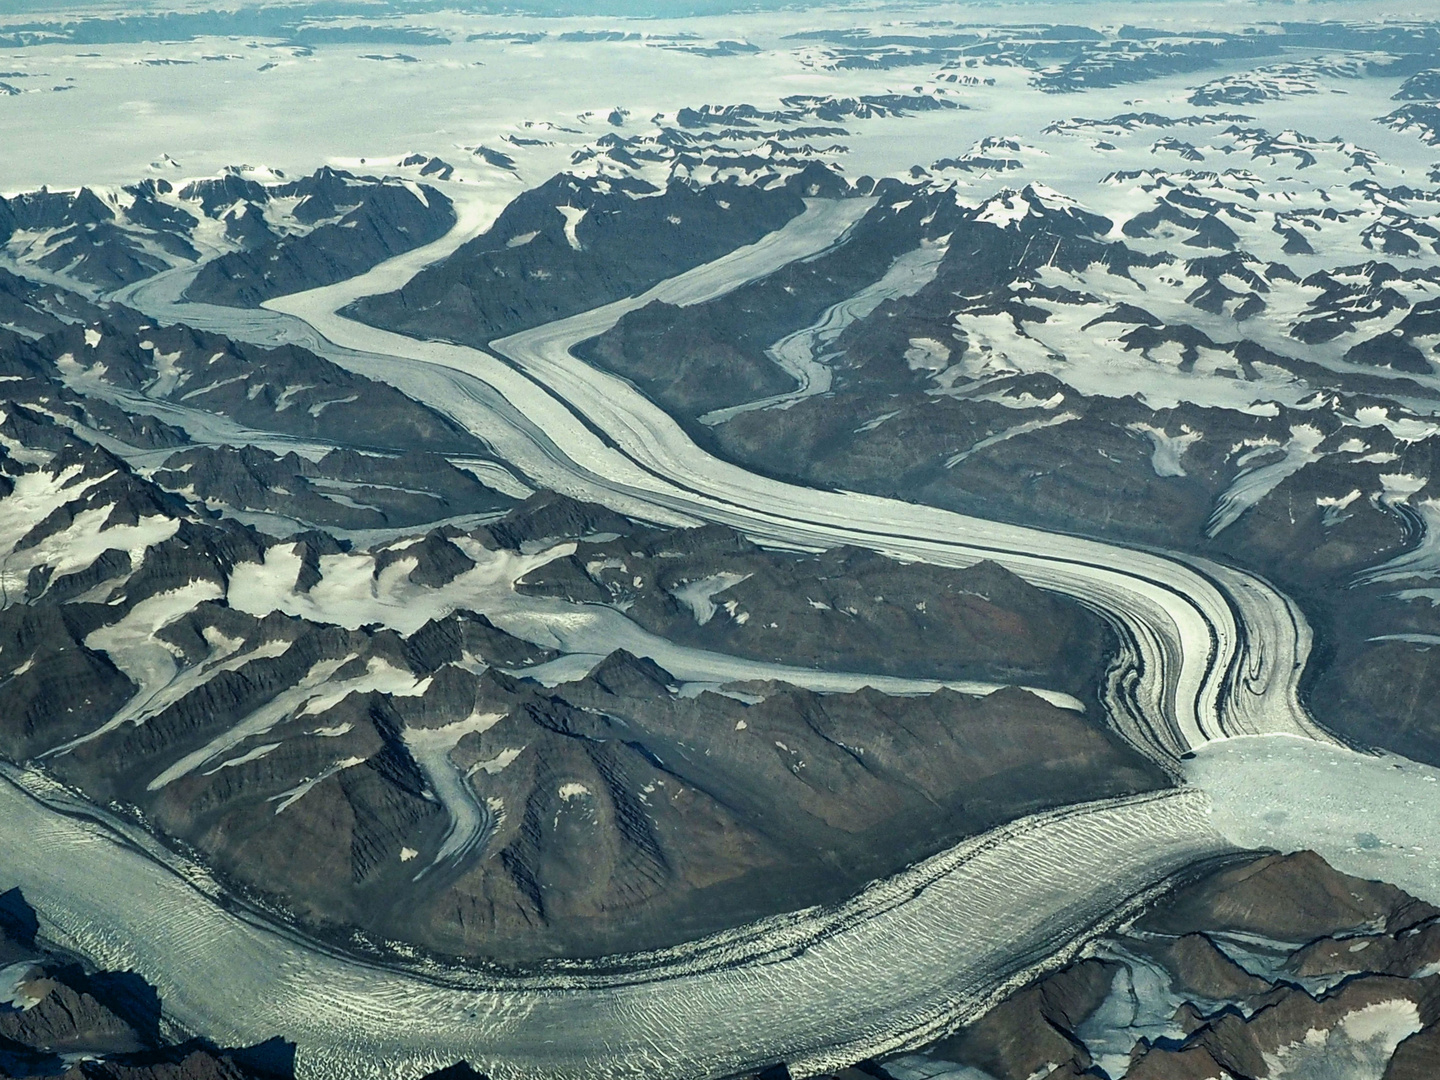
(1374, 816)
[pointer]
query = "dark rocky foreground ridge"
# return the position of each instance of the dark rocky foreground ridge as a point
(60, 1017)
(1262, 966)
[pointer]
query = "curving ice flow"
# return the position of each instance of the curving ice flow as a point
(1195, 671)
(1207, 652)
(819, 988)
(470, 820)
(801, 354)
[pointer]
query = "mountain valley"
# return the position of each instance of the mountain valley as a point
(802, 542)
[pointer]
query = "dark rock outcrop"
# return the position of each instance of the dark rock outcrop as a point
(1032, 1031)
(712, 588)
(1294, 898)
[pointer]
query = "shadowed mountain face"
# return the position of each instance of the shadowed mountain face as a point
(273, 236)
(711, 588)
(617, 801)
(153, 386)
(353, 225)
(62, 1017)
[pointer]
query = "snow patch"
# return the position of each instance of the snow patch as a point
(696, 595)
(927, 354)
(573, 216)
(287, 799)
(1248, 488)
(498, 762)
(1010, 433)
(1168, 449)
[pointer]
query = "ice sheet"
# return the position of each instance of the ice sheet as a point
(1369, 815)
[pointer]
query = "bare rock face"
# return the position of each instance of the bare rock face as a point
(548, 515)
(378, 491)
(1191, 1063)
(1417, 1058)
(461, 1070)
(1032, 1031)
(622, 812)
(281, 236)
(613, 239)
(712, 588)
(55, 1017)
(1201, 969)
(1216, 946)
(716, 370)
(39, 699)
(1293, 898)
(918, 404)
(18, 926)
(437, 561)
(196, 1065)
(1404, 953)
(358, 223)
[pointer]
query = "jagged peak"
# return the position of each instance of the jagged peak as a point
(624, 674)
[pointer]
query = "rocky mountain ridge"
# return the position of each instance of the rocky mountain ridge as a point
(577, 242)
(258, 233)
